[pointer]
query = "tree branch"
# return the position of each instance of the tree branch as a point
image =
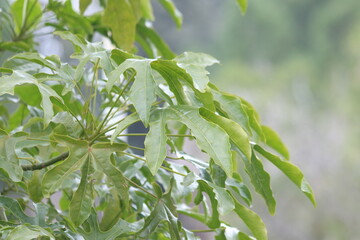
(45, 164)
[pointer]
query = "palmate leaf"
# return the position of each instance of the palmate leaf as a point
(290, 170)
(81, 155)
(9, 82)
(9, 161)
(142, 92)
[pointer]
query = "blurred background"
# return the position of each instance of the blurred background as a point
(298, 63)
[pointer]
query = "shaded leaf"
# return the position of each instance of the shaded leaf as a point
(24, 232)
(9, 161)
(125, 122)
(119, 16)
(155, 141)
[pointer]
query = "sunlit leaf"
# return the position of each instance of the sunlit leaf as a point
(291, 171)
(210, 138)
(273, 140)
(173, 11)
(243, 4)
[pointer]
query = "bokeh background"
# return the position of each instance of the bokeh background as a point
(298, 63)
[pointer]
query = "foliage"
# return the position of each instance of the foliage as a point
(69, 121)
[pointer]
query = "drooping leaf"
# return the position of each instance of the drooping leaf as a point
(155, 141)
(119, 16)
(252, 220)
(9, 161)
(290, 170)
(82, 201)
(173, 11)
(234, 130)
(254, 119)
(142, 92)
(8, 84)
(210, 138)
(273, 140)
(126, 122)
(260, 180)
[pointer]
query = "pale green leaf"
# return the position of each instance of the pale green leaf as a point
(155, 141)
(291, 171)
(26, 14)
(273, 140)
(93, 232)
(78, 154)
(252, 220)
(232, 106)
(34, 186)
(82, 201)
(241, 189)
(254, 119)
(142, 92)
(14, 207)
(234, 130)
(24, 232)
(119, 16)
(125, 122)
(101, 153)
(209, 137)
(8, 159)
(225, 202)
(147, 9)
(35, 58)
(8, 84)
(194, 64)
(173, 11)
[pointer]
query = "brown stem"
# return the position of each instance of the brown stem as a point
(45, 164)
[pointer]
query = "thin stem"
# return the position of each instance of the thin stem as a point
(140, 187)
(116, 101)
(40, 139)
(143, 149)
(202, 230)
(144, 134)
(45, 164)
(166, 168)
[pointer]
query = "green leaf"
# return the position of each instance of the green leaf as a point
(209, 137)
(243, 4)
(125, 123)
(101, 153)
(93, 232)
(35, 58)
(254, 119)
(83, 5)
(194, 64)
(15, 209)
(252, 220)
(119, 16)
(291, 171)
(239, 187)
(112, 211)
(234, 130)
(142, 92)
(173, 11)
(28, 232)
(8, 84)
(232, 106)
(150, 35)
(9, 161)
(82, 201)
(78, 154)
(147, 9)
(273, 140)
(155, 141)
(260, 180)
(34, 186)
(26, 14)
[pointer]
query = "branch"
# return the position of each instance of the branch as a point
(45, 164)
